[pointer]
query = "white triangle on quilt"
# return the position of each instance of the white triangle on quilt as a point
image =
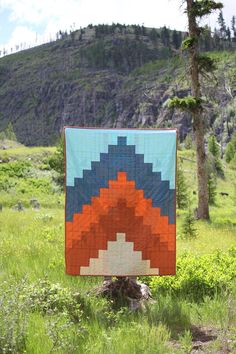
(119, 259)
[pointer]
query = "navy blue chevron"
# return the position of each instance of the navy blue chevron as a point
(120, 158)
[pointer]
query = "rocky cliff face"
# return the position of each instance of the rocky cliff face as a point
(115, 80)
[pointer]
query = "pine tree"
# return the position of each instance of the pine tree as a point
(229, 152)
(216, 39)
(213, 147)
(221, 22)
(228, 34)
(182, 189)
(165, 36)
(9, 132)
(212, 182)
(233, 162)
(230, 149)
(176, 39)
(233, 141)
(189, 230)
(196, 9)
(233, 27)
(154, 35)
(143, 31)
(2, 135)
(214, 150)
(206, 39)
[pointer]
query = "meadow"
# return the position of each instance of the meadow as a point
(43, 310)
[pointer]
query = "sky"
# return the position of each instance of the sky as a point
(27, 23)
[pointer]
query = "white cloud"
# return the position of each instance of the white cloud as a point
(82, 12)
(50, 16)
(21, 36)
(38, 12)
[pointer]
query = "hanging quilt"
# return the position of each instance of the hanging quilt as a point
(120, 201)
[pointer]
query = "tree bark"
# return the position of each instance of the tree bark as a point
(198, 123)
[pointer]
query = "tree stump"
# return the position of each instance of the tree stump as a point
(125, 291)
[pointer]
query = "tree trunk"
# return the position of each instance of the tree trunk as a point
(198, 124)
(203, 208)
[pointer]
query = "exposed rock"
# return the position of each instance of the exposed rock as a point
(34, 203)
(19, 206)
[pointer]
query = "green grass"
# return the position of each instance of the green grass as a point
(220, 231)
(32, 244)
(46, 311)
(210, 238)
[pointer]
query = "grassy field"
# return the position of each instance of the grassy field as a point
(45, 311)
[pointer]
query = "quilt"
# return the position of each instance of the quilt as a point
(120, 201)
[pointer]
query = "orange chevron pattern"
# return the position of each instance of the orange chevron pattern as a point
(120, 208)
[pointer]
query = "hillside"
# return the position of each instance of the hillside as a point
(109, 76)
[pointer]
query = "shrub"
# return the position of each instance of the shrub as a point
(50, 298)
(33, 185)
(13, 318)
(62, 310)
(59, 306)
(6, 183)
(18, 169)
(199, 276)
(63, 333)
